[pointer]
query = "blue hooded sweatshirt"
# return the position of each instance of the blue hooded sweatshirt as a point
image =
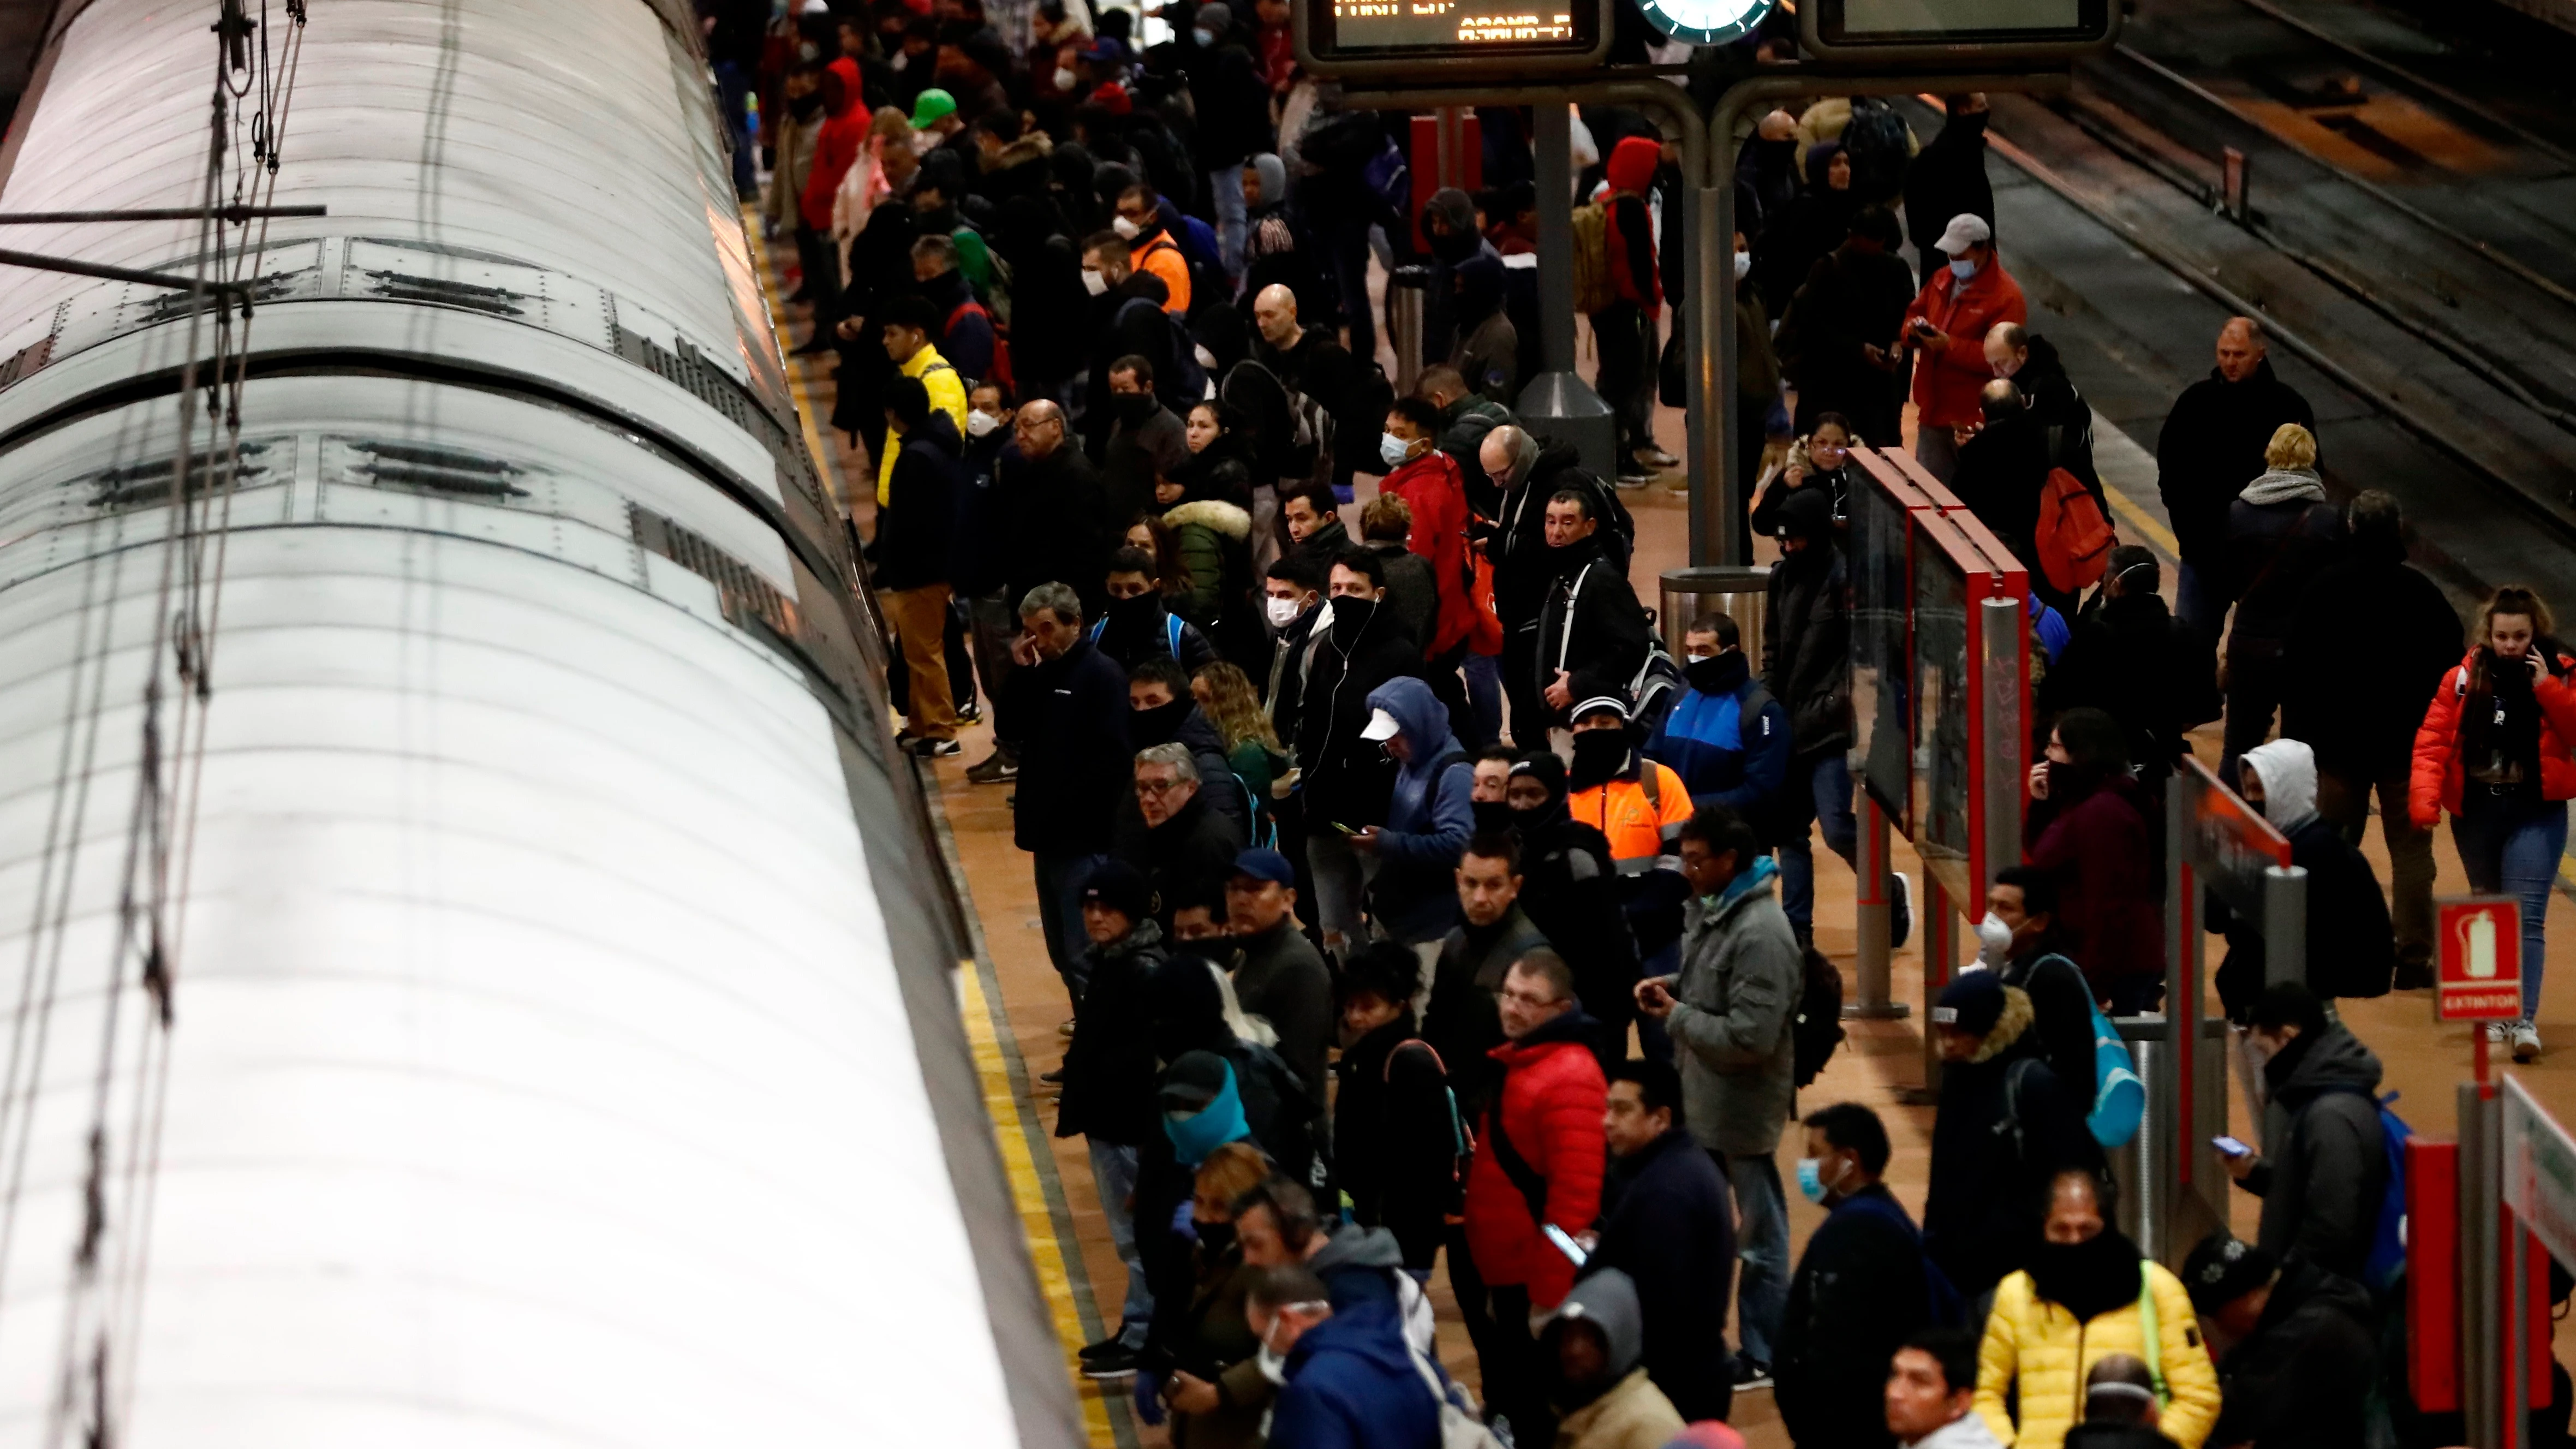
(1428, 819)
(1352, 1384)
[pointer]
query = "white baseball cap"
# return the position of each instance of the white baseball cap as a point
(1965, 230)
(1381, 727)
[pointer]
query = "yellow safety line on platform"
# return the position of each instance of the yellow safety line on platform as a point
(2144, 522)
(1047, 1253)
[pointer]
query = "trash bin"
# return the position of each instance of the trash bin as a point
(1733, 590)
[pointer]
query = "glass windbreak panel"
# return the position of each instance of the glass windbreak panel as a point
(1941, 737)
(1880, 687)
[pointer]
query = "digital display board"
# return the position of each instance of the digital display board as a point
(1995, 29)
(1386, 38)
(1881, 666)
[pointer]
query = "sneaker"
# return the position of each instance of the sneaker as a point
(970, 713)
(2526, 1043)
(1654, 457)
(993, 769)
(929, 749)
(1900, 911)
(1090, 1351)
(1064, 1028)
(1634, 479)
(1119, 1362)
(2495, 1032)
(1751, 1373)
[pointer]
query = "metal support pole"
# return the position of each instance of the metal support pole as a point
(1872, 928)
(1705, 394)
(2481, 1265)
(2516, 1333)
(2285, 924)
(1555, 157)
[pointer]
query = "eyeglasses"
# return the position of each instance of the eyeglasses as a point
(1160, 787)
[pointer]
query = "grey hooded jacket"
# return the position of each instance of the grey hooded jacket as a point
(1737, 994)
(2325, 1167)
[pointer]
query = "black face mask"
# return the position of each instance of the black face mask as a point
(2089, 1278)
(1539, 817)
(1351, 619)
(1721, 674)
(1216, 1239)
(937, 221)
(1453, 247)
(1492, 815)
(1133, 408)
(1149, 727)
(1598, 755)
(807, 106)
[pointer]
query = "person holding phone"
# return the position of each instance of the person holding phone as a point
(1946, 331)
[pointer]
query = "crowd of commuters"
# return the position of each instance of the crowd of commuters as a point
(1420, 910)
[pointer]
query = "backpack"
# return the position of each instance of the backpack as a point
(1001, 376)
(1461, 1427)
(1592, 289)
(2119, 1098)
(1817, 1028)
(1656, 688)
(1387, 177)
(1171, 634)
(2074, 539)
(2386, 1261)
(1192, 381)
(1879, 145)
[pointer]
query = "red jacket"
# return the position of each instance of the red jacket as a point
(1433, 488)
(1946, 382)
(1629, 237)
(2435, 786)
(2101, 853)
(1550, 1106)
(836, 148)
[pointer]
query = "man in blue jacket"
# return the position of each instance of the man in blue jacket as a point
(1726, 737)
(1413, 897)
(1351, 1381)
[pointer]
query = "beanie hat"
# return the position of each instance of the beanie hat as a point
(2224, 1268)
(1120, 887)
(1807, 513)
(1973, 1003)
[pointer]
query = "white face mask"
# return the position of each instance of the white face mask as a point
(1274, 1366)
(1065, 80)
(1093, 282)
(979, 424)
(1282, 612)
(1125, 228)
(1743, 265)
(1994, 940)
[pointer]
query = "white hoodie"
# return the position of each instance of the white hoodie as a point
(2288, 770)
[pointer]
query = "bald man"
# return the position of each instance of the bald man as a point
(2211, 447)
(1312, 364)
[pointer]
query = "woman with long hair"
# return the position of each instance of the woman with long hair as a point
(1252, 748)
(1207, 502)
(1148, 534)
(2497, 749)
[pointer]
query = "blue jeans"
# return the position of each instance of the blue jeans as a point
(1820, 791)
(1485, 694)
(2200, 604)
(1225, 193)
(1113, 1176)
(1762, 1242)
(733, 97)
(1060, 876)
(2514, 850)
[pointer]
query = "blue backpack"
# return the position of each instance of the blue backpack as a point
(2119, 1098)
(2386, 1261)
(1171, 632)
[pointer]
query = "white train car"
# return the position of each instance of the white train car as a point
(566, 1051)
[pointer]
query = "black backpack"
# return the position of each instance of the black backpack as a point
(1817, 1029)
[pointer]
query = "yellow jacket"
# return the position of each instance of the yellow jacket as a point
(947, 394)
(2040, 1345)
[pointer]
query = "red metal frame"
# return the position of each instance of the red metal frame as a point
(1983, 582)
(2433, 1275)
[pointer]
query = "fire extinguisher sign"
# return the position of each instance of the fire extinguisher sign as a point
(2481, 959)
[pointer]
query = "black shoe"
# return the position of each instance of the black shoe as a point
(1118, 1363)
(1090, 1351)
(1053, 1078)
(1751, 1373)
(930, 749)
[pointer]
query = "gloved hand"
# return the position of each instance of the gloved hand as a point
(1149, 1397)
(1185, 1226)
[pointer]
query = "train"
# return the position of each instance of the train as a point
(563, 1043)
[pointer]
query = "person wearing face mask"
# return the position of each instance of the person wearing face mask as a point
(1806, 665)
(1208, 1374)
(1592, 634)
(1946, 329)
(2322, 1184)
(2494, 751)
(2087, 827)
(1292, 604)
(2086, 1294)
(1862, 1289)
(2005, 1126)
(1348, 779)
(1490, 797)
(1667, 1225)
(1145, 442)
(1348, 1380)
(1573, 892)
(1395, 1147)
(2019, 941)
(1640, 807)
(1726, 737)
(1948, 176)
(1137, 626)
(1150, 248)
(1790, 245)
(966, 337)
(1766, 171)
(1728, 1010)
(2351, 944)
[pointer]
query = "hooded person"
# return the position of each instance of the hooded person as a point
(2351, 945)
(2286, 1334)
(2323, 1182)
(1806, 665)
(1271, 255)
(1592, 1351)
(2004, 1128)
(1428, 818)
(1789, 247)
(1450, 234)
(1488, 351)
(1625, 331)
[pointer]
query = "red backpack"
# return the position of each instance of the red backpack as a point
(2074, 539)
(1001, 374)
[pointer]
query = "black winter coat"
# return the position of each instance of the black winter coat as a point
(1947, 179)
(1667, 1222)
(1196, 847)
(1522, 570)
(1982, 1214)
(1858, 1294)
(1806, 649)
(1109, 1067)
(1571, 891)
(2063, 419)
(1591, 624)
(910, 550)
(1283, 980)
(2132, 657)
(1074, 762)
(1347, 779)
(2321, 1186)
(1053, 528)
(2212, 446)
(2294, 1384)
(2274, 551)
(1412, 589)
(1464, 1022)
(2365, 651)
(1854, 297)
(2352, 948)
(1999, 477)
(1395, 1147)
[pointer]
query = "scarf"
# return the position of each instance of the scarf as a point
(2500, 727)
(2284, 485)
(2090, 1278)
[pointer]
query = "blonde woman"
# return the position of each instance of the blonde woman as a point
(2281, 533)
(1252, 748)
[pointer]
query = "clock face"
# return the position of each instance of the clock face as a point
(1705, 22)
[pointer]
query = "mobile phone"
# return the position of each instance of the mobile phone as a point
(2230, 1146)
(1564, 1243)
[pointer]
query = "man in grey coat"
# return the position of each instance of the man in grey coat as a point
(2327, 1170)
(1729, 1012)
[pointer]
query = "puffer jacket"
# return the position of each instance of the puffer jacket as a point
(1806, 650)
(1736, 995)
(1213, 538)
(2435, 786)
(1549, 1105)
(2039, 1348)
(1431, 486)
